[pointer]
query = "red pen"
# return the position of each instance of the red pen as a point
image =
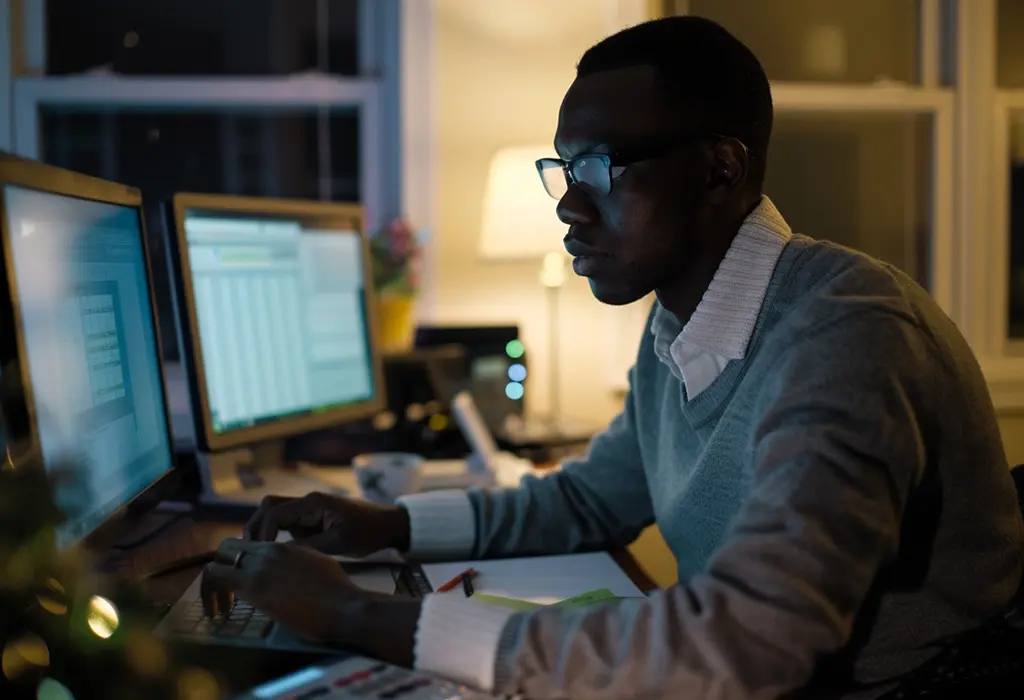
(470, 573)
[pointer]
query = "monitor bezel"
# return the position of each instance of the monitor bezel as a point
(39, 177)
(328, 215)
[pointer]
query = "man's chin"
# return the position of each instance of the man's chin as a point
(615, 295)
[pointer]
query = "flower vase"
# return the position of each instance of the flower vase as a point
(396, 321)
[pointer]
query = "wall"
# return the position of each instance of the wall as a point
(1012, 426)
(501, 70)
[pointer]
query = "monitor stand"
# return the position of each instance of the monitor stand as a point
(241, 479)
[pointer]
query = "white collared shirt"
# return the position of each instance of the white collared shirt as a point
(720, 328)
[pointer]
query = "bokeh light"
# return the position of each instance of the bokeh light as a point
(514, 390)
(514, 349)
(102, 617)
(23, 654)
(50, 689)
(147, 655)
(53, 597)
(517, 372)
(197, 684)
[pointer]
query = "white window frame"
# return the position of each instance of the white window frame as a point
(375, 94)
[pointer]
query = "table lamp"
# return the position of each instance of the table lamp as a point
(520, 223)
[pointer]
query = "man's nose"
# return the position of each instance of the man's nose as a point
(576, 208)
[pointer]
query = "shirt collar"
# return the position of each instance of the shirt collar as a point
(724, 321)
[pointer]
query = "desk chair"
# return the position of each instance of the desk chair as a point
(986, 663)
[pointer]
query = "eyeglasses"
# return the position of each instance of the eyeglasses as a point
(596, 171)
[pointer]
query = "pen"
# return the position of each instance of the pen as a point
(456, 581)
(467, 585)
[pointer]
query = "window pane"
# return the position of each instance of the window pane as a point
(854, 41)
(225, 152)
(1010, 48)
(201, 37)
(860, 180)
(1016, 273)
(277, 154)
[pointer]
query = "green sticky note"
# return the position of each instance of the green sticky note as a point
(520, 605)
(589, 598)
(602, 595)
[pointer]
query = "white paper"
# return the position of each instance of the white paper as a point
(541, 580)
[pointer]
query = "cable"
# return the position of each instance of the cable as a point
(177, 565)
(152, 534)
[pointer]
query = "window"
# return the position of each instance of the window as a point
(280, 98)
(300, 153)
(861, 152)
(835, 41)
(1010, 80)
(824, 175)
(200, 37)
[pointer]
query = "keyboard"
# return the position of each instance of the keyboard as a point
(410, 582)
(242, 621)
(364, 679)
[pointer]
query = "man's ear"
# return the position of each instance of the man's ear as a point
(730, 164)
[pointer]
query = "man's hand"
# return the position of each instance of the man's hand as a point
(303, 589)
(332, 524)
(310, 594)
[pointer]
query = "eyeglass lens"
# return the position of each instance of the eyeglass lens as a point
(589, 171)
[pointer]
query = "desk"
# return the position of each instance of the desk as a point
(188, 537)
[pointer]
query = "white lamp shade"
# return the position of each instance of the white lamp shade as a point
(519, 221)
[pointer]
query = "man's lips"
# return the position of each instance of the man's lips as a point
(578, 248)
(587, 265)
(587, 260)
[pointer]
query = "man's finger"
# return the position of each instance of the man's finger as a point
(229, 549)
(220, 581)
(299, 511)
(252, 527)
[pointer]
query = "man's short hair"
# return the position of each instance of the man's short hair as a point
(707, 68)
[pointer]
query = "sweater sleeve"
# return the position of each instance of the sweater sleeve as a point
(838, 445)
(598, 502)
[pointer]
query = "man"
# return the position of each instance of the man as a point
(810, 432)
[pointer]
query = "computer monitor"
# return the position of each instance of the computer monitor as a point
(78, 318)
(278, 332)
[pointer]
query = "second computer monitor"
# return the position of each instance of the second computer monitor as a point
(277, 325)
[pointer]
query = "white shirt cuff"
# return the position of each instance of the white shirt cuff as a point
(441, 525)
(457, 638)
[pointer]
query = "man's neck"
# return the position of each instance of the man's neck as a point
(682, 294)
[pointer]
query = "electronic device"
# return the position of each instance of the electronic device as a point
(78, 321)
(278, 334)
(497, 379)
(359, 677)
(496, 361)
(247, 627)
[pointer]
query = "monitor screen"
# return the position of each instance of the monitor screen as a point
(90, 349)
(281, 317)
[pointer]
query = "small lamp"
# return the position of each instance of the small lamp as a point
(520, 223)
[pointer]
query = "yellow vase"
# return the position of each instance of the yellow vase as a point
(396, 322)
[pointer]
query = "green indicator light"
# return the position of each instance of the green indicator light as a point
(514, 349)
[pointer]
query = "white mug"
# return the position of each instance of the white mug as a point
(384, 477)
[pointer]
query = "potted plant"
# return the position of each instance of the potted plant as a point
(395, 255)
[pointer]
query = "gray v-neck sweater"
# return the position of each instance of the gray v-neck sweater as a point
(838, 500)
